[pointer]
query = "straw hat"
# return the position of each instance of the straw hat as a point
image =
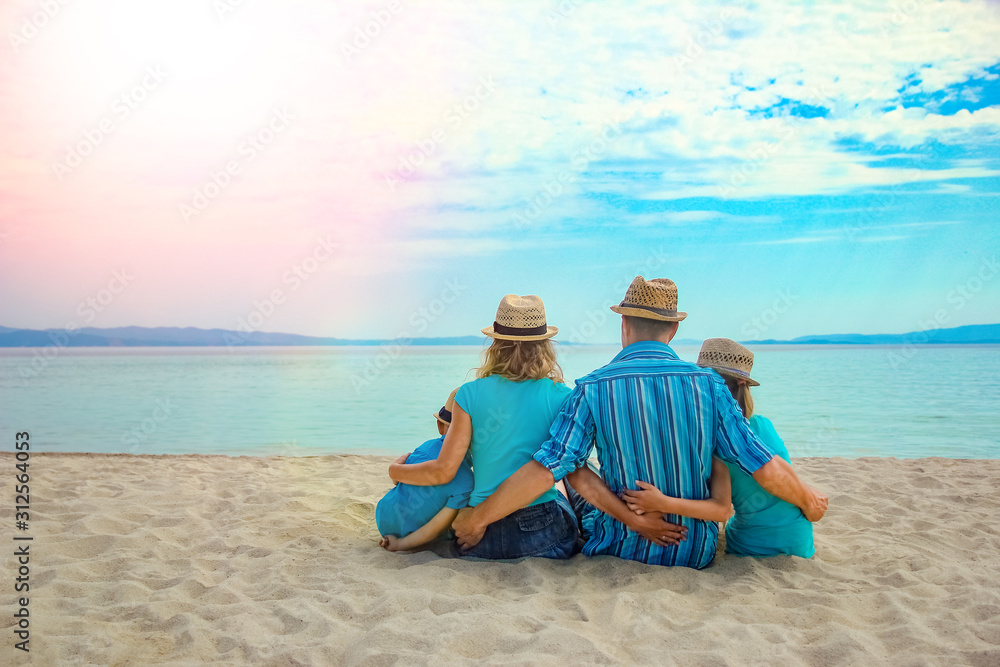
(727, 358)
(520, 318)
(654, 299)
(444, 414)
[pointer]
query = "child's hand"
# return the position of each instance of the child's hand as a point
(647, 499)
(390, 543)
(402, 459)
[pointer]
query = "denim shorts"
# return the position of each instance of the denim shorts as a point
(547, 530)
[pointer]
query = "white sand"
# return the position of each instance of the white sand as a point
(187, 559)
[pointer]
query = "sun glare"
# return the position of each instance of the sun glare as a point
(218, 73)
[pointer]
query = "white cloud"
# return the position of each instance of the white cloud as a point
(677, 79)
(668, 88)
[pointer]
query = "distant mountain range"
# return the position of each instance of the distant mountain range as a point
(968, 335)
(193, 337)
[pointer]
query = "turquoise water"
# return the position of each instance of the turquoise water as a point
(824, 401)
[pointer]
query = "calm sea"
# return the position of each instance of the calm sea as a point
(825, 401)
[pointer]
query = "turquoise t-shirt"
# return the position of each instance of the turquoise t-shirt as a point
(406, 507)
(764, 525)
(510, 421)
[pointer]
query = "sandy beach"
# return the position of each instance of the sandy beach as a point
(184, 559)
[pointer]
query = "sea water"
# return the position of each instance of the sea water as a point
(296, 401)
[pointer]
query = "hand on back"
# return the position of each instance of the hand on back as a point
(647, 498)
(467, 531)
(652, 527)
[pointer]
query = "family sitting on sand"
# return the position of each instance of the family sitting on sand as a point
(678, 449)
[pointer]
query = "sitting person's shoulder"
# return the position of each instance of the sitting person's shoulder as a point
(762, 425)
(428, 451)
(478, 384)
(469, 390)
(560, 388)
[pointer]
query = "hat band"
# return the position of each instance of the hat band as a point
(445, 415)
(734, 370)
(519, 331)
(658, 311)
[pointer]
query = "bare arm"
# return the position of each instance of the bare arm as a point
(570, 442)
(651, 526)
(528, 483)
(737, 443)
(779, 479)
(427, 533)
(718, 508)
(443, 469)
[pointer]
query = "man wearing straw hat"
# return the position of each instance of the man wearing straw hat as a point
(652, 418)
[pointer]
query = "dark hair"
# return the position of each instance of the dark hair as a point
(647, 329)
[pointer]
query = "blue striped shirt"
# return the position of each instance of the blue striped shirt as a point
(657, 419)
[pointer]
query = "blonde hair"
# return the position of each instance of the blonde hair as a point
(518, 360)
(741, 392)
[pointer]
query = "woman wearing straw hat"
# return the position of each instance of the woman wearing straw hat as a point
(762, 525)
(499, 420)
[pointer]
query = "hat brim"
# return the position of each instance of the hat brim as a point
(725, 372)
(438, 417)
(647, 314)
(549, 333)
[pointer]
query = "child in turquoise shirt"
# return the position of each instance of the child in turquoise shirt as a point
(411, 516)
(762, 524)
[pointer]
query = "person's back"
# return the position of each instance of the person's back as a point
(509, 420)
(762, 524)
(652, 419)
(656, 420)
(499, 420)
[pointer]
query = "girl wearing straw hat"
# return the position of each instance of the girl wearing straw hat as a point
(762, 524)
(499, 420)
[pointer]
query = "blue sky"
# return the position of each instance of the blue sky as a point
(796, 169)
